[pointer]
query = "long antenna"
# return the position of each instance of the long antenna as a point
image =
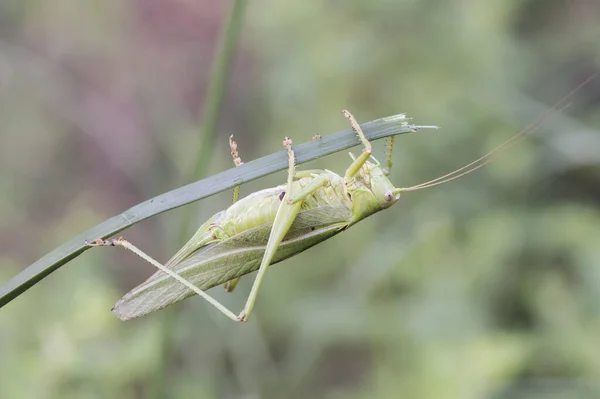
(514, 140)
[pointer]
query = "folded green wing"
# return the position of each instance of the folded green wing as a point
(218, 262)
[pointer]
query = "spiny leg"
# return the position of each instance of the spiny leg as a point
(237, 161)
(317, 182)
(127, 245)
(287, 212)
(358, 163)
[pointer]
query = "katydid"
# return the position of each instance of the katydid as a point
(262, 229)
(274, 224)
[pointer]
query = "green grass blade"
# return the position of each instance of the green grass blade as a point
(305, 152)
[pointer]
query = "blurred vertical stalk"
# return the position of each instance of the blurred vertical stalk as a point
(214, 96)
(217, 87)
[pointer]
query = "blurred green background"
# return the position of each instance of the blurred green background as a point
(487, 287)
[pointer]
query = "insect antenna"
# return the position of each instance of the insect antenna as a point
(471, 167)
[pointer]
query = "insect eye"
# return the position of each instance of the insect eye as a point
(389, 196)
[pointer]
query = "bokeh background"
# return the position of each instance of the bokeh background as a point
(487, 287)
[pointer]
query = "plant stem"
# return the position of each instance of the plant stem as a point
(217, 87)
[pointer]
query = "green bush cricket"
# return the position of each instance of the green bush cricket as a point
(274, 224)
(264, 228)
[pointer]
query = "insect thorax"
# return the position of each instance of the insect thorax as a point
(261, 207)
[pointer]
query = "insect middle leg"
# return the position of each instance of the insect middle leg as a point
(287, 212)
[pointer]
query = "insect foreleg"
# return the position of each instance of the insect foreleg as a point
(126, 244)
(237, 161)
(360, 161)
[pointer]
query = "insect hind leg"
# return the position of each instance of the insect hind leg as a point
(237, 161)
